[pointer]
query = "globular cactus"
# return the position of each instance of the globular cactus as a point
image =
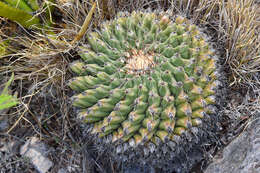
(144, 78)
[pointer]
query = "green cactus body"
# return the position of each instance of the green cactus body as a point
(144, 78)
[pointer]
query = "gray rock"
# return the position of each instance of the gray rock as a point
(136, 169)
(242, 155)
(36, 152)
(3, 123)
(62, 170)
(11, 146)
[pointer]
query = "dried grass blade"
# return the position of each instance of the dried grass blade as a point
(85, 24)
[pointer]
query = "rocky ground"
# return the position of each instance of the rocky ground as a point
(242, 155)
(48, 137)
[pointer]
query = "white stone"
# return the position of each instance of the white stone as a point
(35, 151)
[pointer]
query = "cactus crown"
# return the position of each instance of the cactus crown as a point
(144, 78)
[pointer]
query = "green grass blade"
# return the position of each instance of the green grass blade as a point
(20, 16)
(3, 48)
(34, 4)
(5, 90)
(7, 101)
(19, 4)
(4, 98)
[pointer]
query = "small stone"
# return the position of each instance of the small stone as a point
(11, 146)
(3, 124)
(62, 170)
(35, 151)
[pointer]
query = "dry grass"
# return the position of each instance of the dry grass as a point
(239, 20)
(40, 61)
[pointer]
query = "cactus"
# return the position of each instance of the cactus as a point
(144, 78)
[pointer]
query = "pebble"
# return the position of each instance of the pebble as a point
(3, 123)
(62, 170)
(36, 151)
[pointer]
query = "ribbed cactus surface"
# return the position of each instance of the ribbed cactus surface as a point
(144, 78)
